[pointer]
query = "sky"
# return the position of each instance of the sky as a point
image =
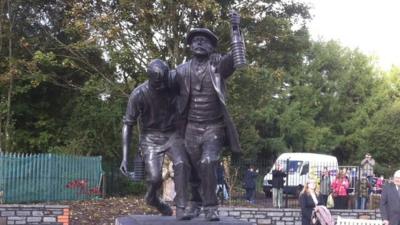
(370, 25)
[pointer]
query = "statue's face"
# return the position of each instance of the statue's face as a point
(201, 45)
(157, 78)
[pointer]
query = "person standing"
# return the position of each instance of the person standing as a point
(168, 190)
(364, 187)
(339, 190)
(308, 199)
(278, 181)
(325, 185)
(250, 183)
(221, 183)
(153, 108)
(367, 165)
(390, 201)
(379, 184)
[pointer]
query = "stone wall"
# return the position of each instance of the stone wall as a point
(34, 214)
(60, 215)
(273, 216)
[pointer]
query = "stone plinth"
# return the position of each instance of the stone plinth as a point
(171, 220)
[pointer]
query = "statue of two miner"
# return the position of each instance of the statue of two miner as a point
(182, 113)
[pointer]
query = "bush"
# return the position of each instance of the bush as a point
(137, 188)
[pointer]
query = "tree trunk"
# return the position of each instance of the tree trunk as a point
(1, 26)
(7, 127)
(1, 48)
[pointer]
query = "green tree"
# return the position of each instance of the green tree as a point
(342, 80)
(133, 33)
(49, 62)
(380, 136)
(318, 106)
(68, 67)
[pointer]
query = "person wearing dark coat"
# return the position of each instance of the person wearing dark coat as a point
(390, 201)
(278, 181)
(250, 183)
(308, 199)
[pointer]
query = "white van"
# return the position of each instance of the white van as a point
(299, 167)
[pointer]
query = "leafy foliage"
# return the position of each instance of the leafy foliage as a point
(67, 68)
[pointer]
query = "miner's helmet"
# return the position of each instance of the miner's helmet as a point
(157, 71)
(202, 31)
(157, 65)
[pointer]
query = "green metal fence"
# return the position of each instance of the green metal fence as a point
(48, 177)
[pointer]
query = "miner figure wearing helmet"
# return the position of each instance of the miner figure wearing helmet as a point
(201, 100)
(152, 106)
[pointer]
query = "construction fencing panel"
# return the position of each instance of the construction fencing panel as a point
(28, 178)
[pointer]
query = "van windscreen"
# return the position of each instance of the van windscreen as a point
(295, 165)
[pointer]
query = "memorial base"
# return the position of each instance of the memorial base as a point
(171, 220)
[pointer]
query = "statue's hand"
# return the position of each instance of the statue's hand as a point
(124, 167)
(235, 17)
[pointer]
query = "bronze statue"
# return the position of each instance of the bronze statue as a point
(194, 92)
(153, 105)
(200, 84)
